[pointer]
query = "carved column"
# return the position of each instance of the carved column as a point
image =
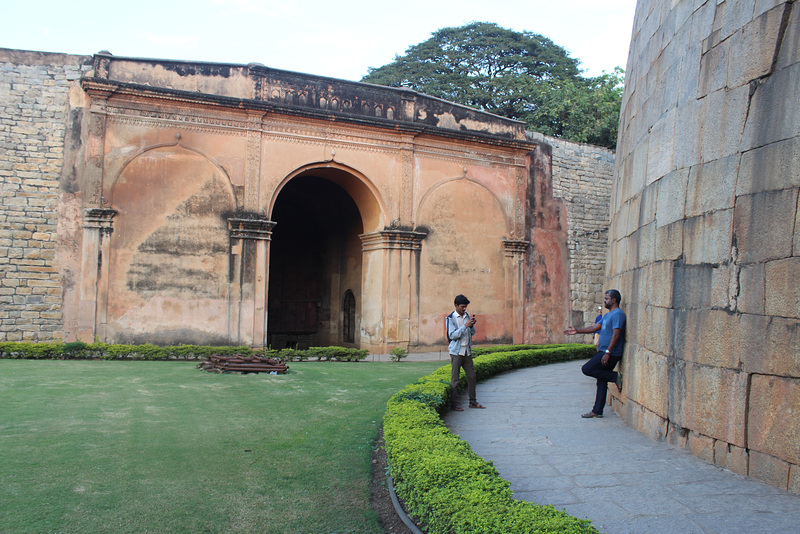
(250, 264)
(514, 252)
(93, 290)
(390, 287)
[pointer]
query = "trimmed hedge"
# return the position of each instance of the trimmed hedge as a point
(103, 351)
(443, 483)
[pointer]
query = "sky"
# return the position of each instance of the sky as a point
(338, 39)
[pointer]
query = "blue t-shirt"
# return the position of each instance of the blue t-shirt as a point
(611, 320)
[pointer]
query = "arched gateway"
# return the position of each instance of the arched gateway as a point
(232, 204)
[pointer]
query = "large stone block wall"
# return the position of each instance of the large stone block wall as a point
(705, 235)
(34, 89)
(583, 176)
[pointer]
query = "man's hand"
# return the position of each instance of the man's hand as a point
(571, 331)
(472, 321)
(604, 359)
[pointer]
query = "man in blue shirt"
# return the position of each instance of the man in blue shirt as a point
(610, 348)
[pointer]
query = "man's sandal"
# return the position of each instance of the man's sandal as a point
(592, 415)
(476, 405)
(457, 409)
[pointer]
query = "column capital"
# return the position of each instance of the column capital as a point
(258, 229)
(99, 218)
(514, 247)
(393, 239)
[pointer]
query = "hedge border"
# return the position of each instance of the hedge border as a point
(104, 351)
(445, 486)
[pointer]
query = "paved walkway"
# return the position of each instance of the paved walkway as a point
(604, 471)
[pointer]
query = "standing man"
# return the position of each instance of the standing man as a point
(610, 347)
(460, 329)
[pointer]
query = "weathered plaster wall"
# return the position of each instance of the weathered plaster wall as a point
(705, 236)
(34, 90)
(583, 176)
(125, 149)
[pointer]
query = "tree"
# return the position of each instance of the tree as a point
(520, 75)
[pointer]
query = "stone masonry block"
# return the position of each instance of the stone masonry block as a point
(708, 337)
(751, 340)
(687, 142)
(647, 244)
(796, 246)
(769, 168)
(672, 197)
(790, 47)
(731, 457)
(658, 337)
(782, 348)
(713, 69)
(660, 283)
(701, 446)
(708, 400)
(711, 186)
(773, 425)
(669, 241)
(751, 289)
(643, 420)
(677, 435)
(769, 469)
(707, 238)
(662, 143)
(645, 380)
(794, 479)
(752, 49)
(782, 288)
(723, 113)
(760, 235)
(693, 286)
(649, 205)
(774, 114)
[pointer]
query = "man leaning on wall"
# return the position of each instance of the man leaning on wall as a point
(610, 348)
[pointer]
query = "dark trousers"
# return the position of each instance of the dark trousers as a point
(604, 375)
(456, 363)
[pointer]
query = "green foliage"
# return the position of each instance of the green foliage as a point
(519, 75)
(103, 351)
(340, 354)
(398, 353)
(444, 484)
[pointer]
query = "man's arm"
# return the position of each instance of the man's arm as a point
(571, 331)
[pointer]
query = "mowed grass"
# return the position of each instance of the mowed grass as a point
(119, 446)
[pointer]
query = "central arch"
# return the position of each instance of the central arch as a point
(316, 256)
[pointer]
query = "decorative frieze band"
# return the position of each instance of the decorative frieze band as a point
(259, 229)
(393, 239)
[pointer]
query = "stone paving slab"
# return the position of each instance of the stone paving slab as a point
(602, 470)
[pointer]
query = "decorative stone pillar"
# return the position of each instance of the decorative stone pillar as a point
(93, 290)
(390, 287)
(250, 238)
(514, 252)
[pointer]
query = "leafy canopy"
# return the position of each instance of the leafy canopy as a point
(520, 75)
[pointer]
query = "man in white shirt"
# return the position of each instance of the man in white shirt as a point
(460, 329)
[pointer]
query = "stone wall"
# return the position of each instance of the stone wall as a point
(34, 91)
(583, 176)
(705, 236)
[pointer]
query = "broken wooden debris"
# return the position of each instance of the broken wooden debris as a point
(243, 364)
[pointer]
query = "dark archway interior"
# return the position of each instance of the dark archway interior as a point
(315, 257)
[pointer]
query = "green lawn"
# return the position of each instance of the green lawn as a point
(121, 446)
